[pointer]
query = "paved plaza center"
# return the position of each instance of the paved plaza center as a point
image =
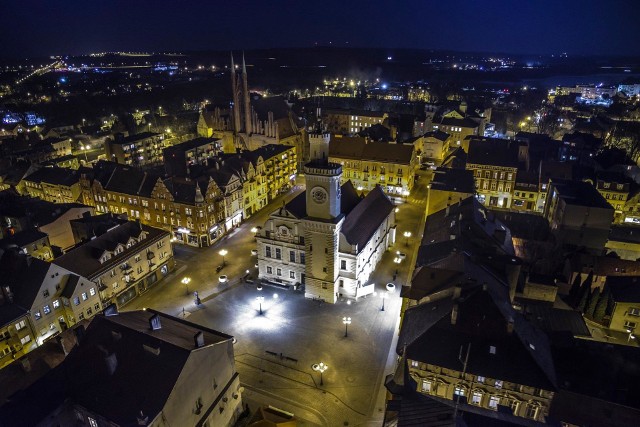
(281, 335)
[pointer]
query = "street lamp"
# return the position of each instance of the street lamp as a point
(260, 299)
(222, 253)
(320, 367)
(347, 322)
(84, 150)
(254, 230)
(382, 295)
(631, 335)
(186, 281)
(407, 234)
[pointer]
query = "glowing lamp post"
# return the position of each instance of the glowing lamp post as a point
(407, 234)
(222, 253)
(254, 230)
(347, 322)
(186, 281)
(260, 299)
(320, 367)
(383, 296)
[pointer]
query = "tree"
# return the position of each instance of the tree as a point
(575, 290)
(593, 301)
(601, 307)
(585, 292)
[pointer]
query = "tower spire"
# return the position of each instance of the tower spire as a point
(236, 98)
(244, 67)
(248, 128)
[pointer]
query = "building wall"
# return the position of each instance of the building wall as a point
(148, 262)
(17, 338)
(625, 317)
(208, 396)
(396, 179)
(527, 402)
(59, 231)
(441, 199)
(494, 184)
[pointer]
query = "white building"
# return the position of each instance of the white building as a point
(328, 238)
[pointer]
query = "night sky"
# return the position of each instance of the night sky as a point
(46, 27)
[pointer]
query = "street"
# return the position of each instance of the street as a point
(275, 350)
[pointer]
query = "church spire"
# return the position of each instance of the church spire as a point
(246, 98)
(236, 98)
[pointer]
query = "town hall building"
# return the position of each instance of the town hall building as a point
(328, 238)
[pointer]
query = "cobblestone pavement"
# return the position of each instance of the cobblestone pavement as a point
(275, 350)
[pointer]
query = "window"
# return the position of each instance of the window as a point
(415, 363)
(97, 306)
(634, 311)
(426, 386)
(492, 349)
(21, 324)
(46, 309)
(498, 383)
(279, 271)
(458, 391)
(278, 253)
(292, 274)
(514, 404)
(302, 259)
(84, 296)
(45, 293)
(268, 251)
(531, 411)
(343, 264)
(25, 340)
(476, 398)
(292, 256)
(480, 379)
(76, 301)
(92, 422)
(493, 402)
(269, 270)
(630, 325)
(37, 315)
(92, 291)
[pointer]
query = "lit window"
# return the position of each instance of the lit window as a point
(476, 398)
(480, 379)
(458, 391)
(499, 383)
(46, 309)
(426, 386)
(92, 422)
(37, 315)
(84, 296)
(76, 301)
(415, 363)
(92, 291)
(56, 303)
(25, 340)
(493, 402)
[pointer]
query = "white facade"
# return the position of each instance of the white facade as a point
(303, 242)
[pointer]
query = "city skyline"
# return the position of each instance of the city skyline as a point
(35, 28)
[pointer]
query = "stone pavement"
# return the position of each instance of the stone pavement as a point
(303, 331)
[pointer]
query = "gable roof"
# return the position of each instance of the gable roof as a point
(365, 218)
(521, 356)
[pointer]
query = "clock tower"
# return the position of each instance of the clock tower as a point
(324, 220)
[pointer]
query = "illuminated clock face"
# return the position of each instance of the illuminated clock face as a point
(319, 195)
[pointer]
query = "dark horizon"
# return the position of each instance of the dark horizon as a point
(36, 28)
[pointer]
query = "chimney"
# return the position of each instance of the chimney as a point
(454, 314)
(510, 327)
(198, 339)
(154, 322)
